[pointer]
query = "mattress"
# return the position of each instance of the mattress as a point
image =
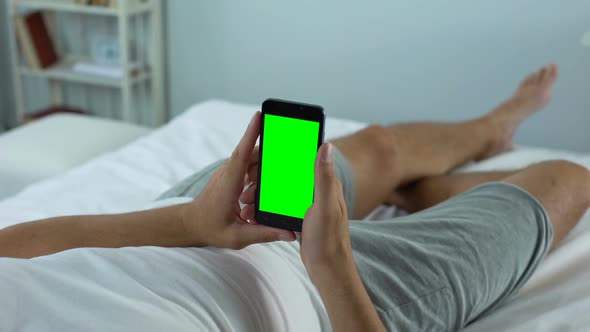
(214, 289)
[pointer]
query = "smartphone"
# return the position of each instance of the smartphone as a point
(290, 136)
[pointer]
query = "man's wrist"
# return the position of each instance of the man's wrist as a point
(346, 300)
(339, 284)
(341, 271)
(185, 216)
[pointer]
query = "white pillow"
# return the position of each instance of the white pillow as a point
(56, 143)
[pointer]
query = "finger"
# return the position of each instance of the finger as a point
(248, 196)
(252, 173)
(341, 200)
(248, 212)
(238, 162)
(251, 234)
(254, 155)
(325, 176)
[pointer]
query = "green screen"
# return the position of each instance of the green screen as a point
(289, 148)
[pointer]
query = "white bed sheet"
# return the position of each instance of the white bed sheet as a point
(85, 286)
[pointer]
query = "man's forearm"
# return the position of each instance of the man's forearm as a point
(159, 227)
(349, 306)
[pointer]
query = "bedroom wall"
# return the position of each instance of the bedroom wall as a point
(5, 78)
(385, 61)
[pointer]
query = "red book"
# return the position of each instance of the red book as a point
(41, 40)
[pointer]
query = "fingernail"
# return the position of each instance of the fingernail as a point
(328, 155)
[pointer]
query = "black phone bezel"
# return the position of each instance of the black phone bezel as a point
(294, 110)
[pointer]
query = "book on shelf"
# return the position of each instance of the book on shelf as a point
(25, 43)
(103, 70)
(35, 40)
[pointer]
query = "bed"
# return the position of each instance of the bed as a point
(207, 289)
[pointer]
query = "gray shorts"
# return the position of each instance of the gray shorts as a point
(445, 267)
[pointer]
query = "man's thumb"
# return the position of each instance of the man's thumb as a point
(325, 175)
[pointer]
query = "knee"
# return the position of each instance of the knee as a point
(382, 141)
(571, 169)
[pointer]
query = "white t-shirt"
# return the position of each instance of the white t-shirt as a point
(260, 288)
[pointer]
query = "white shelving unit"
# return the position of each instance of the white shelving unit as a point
(150, 78)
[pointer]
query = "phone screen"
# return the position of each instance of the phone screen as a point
(289, 150)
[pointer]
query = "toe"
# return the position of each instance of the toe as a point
(552, 73)
(542, 74)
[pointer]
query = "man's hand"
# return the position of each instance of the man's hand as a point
(325, 239)
(325, 242)
(214, 219)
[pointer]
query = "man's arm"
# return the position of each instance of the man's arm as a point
(160, 227)
(213, 219)
(326, 251)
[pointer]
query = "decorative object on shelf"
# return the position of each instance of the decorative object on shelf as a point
(105, 50)
(35, 40)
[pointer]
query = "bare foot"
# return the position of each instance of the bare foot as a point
(533, 94)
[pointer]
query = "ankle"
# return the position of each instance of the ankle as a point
(488, 133)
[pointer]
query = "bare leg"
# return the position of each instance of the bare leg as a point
(385, 158)
(430, 191)
(562, 187)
